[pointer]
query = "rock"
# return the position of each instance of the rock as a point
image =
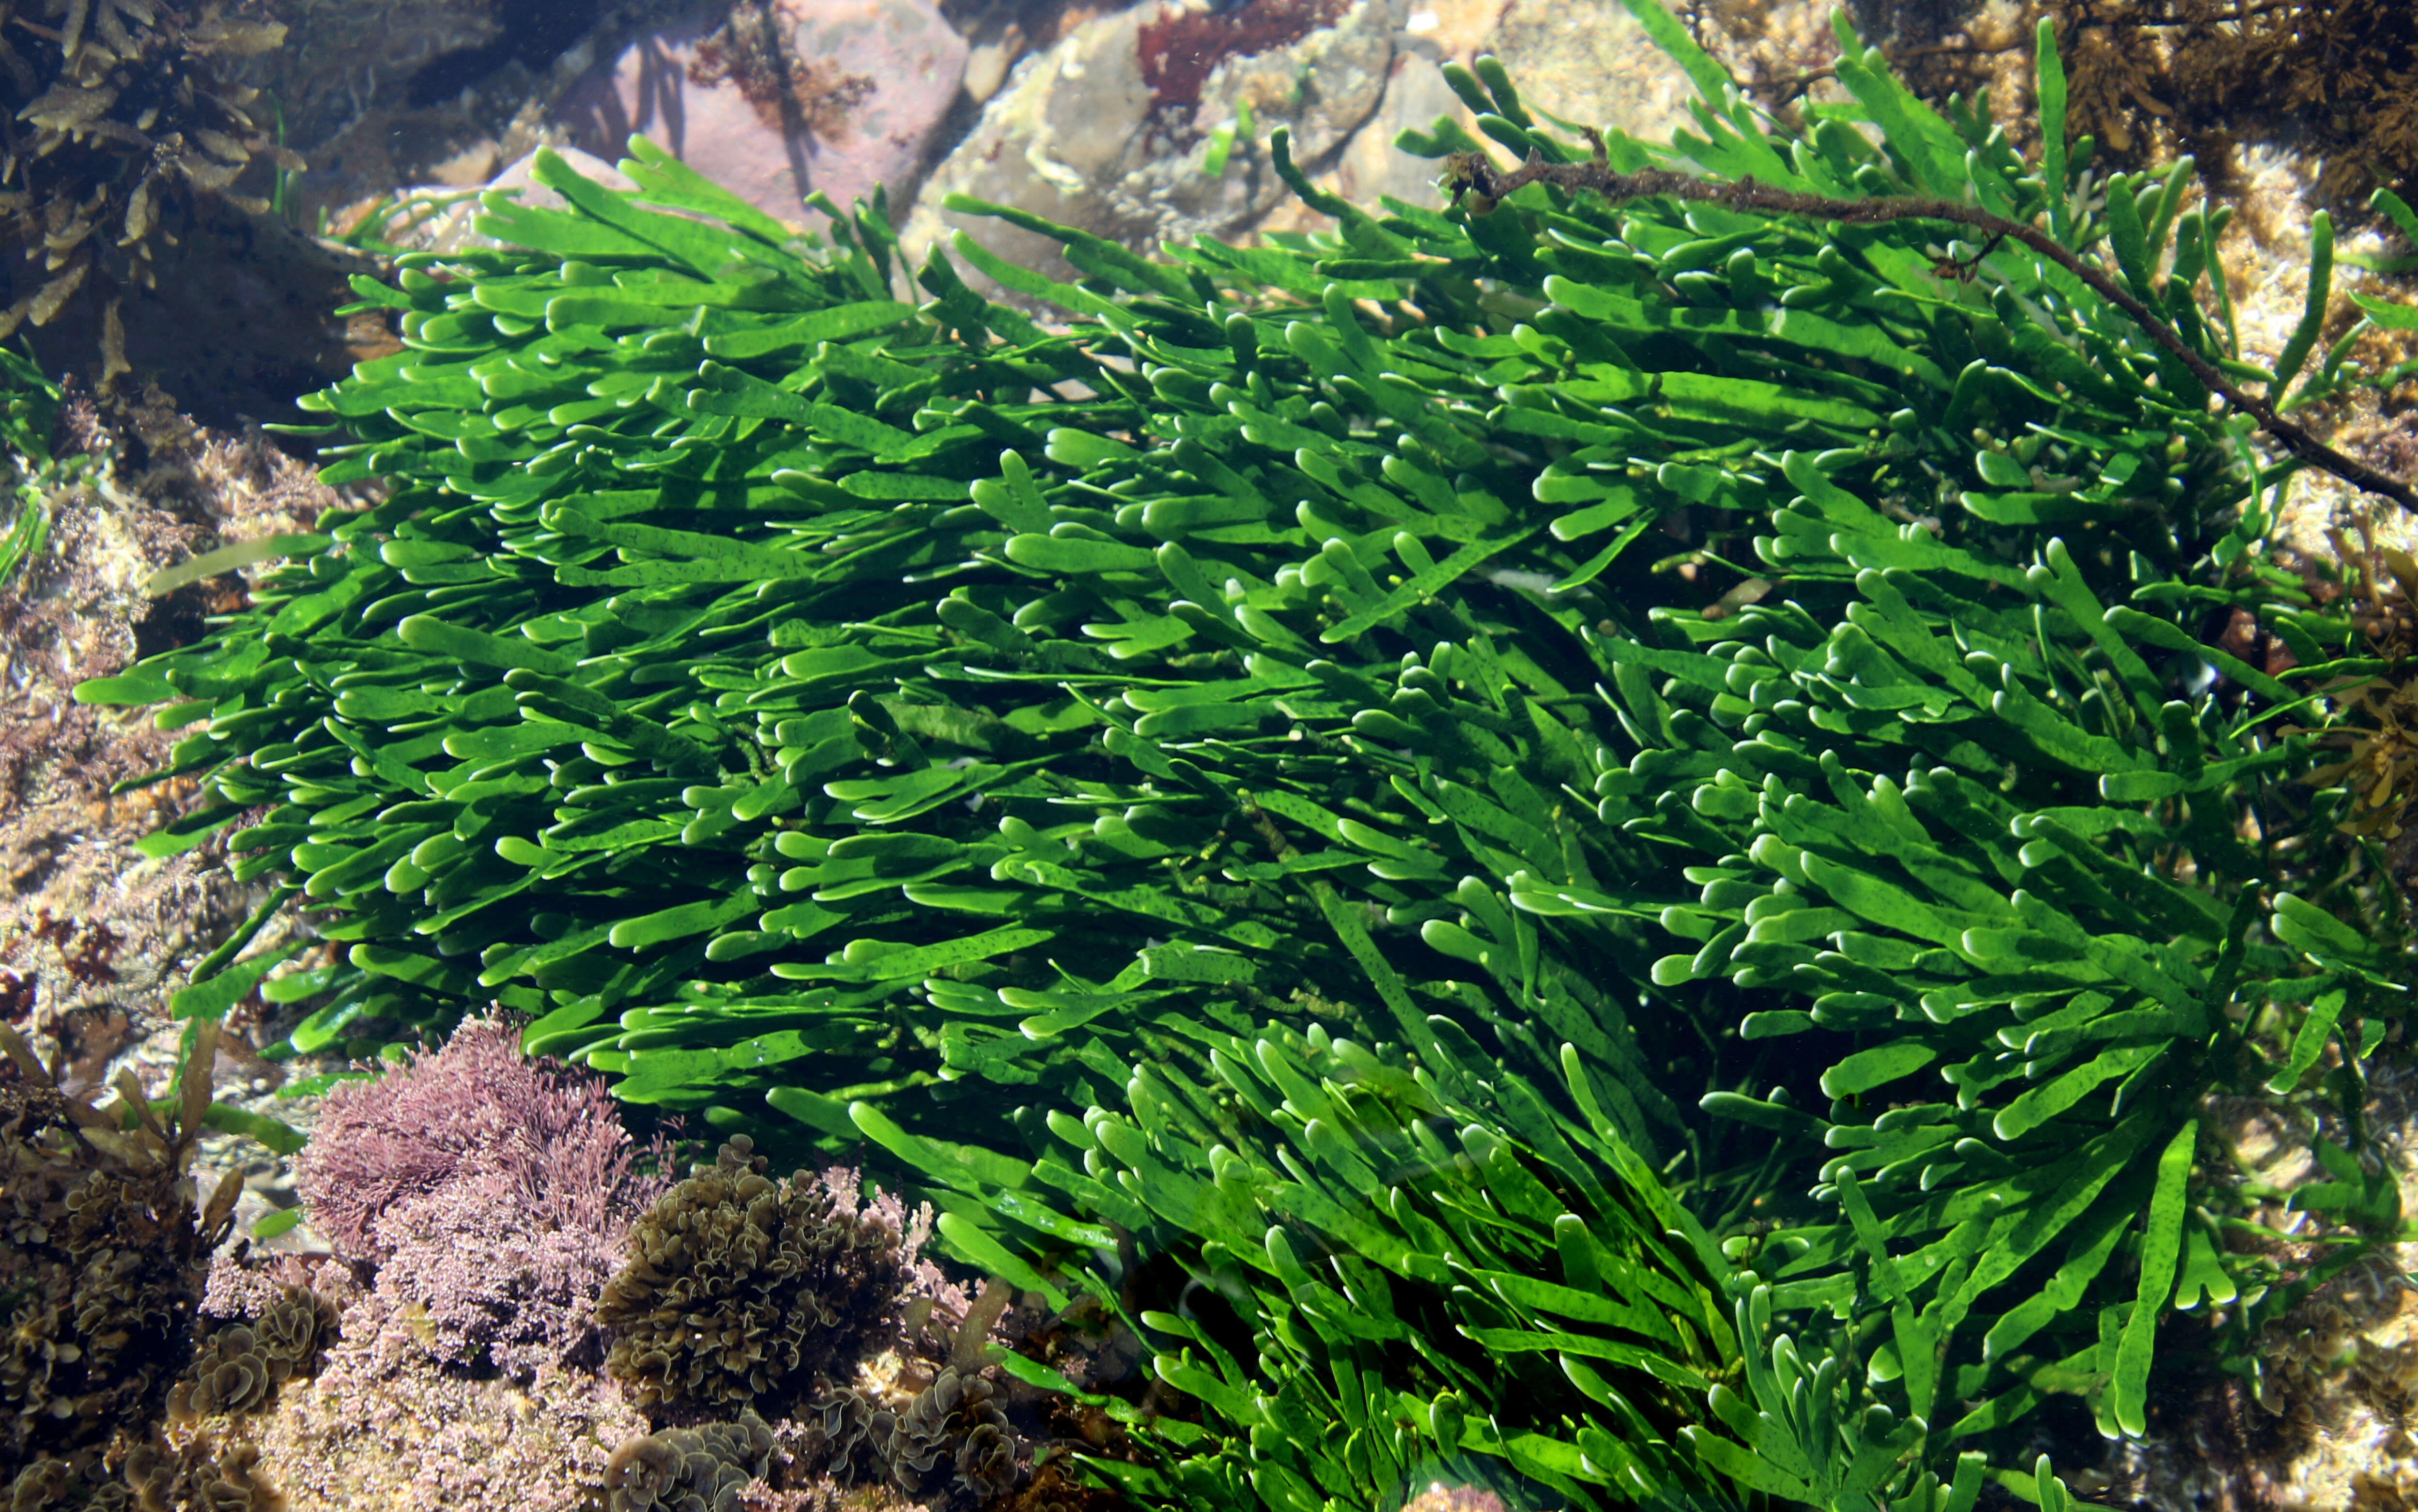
(1371, 165)
(239, 324)
(778, 98)
(2265, 253)
(448, 229)
(1106, 131)
(522, 175)
(473, 165)
(381, 1425)
(988, 62)
(86, 922)
(1587, 63)
(94, 938)
(1590, 63)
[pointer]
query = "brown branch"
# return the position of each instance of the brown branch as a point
(1475, 176)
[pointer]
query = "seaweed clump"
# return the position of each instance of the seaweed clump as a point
(737, 1283)
(1956, 810)
(952, 1442)
(2149, 79)
(493, 1191)
(118, 114)
(2340, 78)
(790, 93)
(104, 1263)
(198, 1476)
(240, 1366)
(2373, 739)
(707, 1467)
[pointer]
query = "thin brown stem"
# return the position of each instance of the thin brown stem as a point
(1474, 176)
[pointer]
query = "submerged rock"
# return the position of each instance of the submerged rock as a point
(1110, 130)
(383, 1425)
(436, 219)
(95, 935)
(775, 100)
(1107, 132)
(346, 58)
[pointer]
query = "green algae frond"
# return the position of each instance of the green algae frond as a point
(1619, 826)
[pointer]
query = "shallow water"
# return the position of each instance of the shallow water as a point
(434, 1342)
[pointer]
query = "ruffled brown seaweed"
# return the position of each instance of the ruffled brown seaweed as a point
(239, 1367)
(702, 1469)
(2376, 734)
(952, 1443)
(200, 1475)
(738, 1283)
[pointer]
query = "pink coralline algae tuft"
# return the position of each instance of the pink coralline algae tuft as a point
(494, 1194)
(775, 100)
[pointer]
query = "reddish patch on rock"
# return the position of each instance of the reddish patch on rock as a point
(790, 93)
(775, 100)
(1181, 49)
(85, 950)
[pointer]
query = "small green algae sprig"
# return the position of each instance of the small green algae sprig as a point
(28, 413)
(1725, 705)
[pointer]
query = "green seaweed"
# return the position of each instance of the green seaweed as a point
(28, 413)
(1751, 1021)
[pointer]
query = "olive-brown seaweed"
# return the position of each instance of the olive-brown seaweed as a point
(103, 1258)
(120, 112)
(737, 1283)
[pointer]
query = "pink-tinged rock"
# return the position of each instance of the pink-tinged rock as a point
(522, 175)
(776, 98)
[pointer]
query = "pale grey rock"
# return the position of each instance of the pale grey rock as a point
(1587, 62)
(1075, 136)
(521, 175)
(1080, 136)
(1371, 166)
(436, 217)
(1590, 63)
